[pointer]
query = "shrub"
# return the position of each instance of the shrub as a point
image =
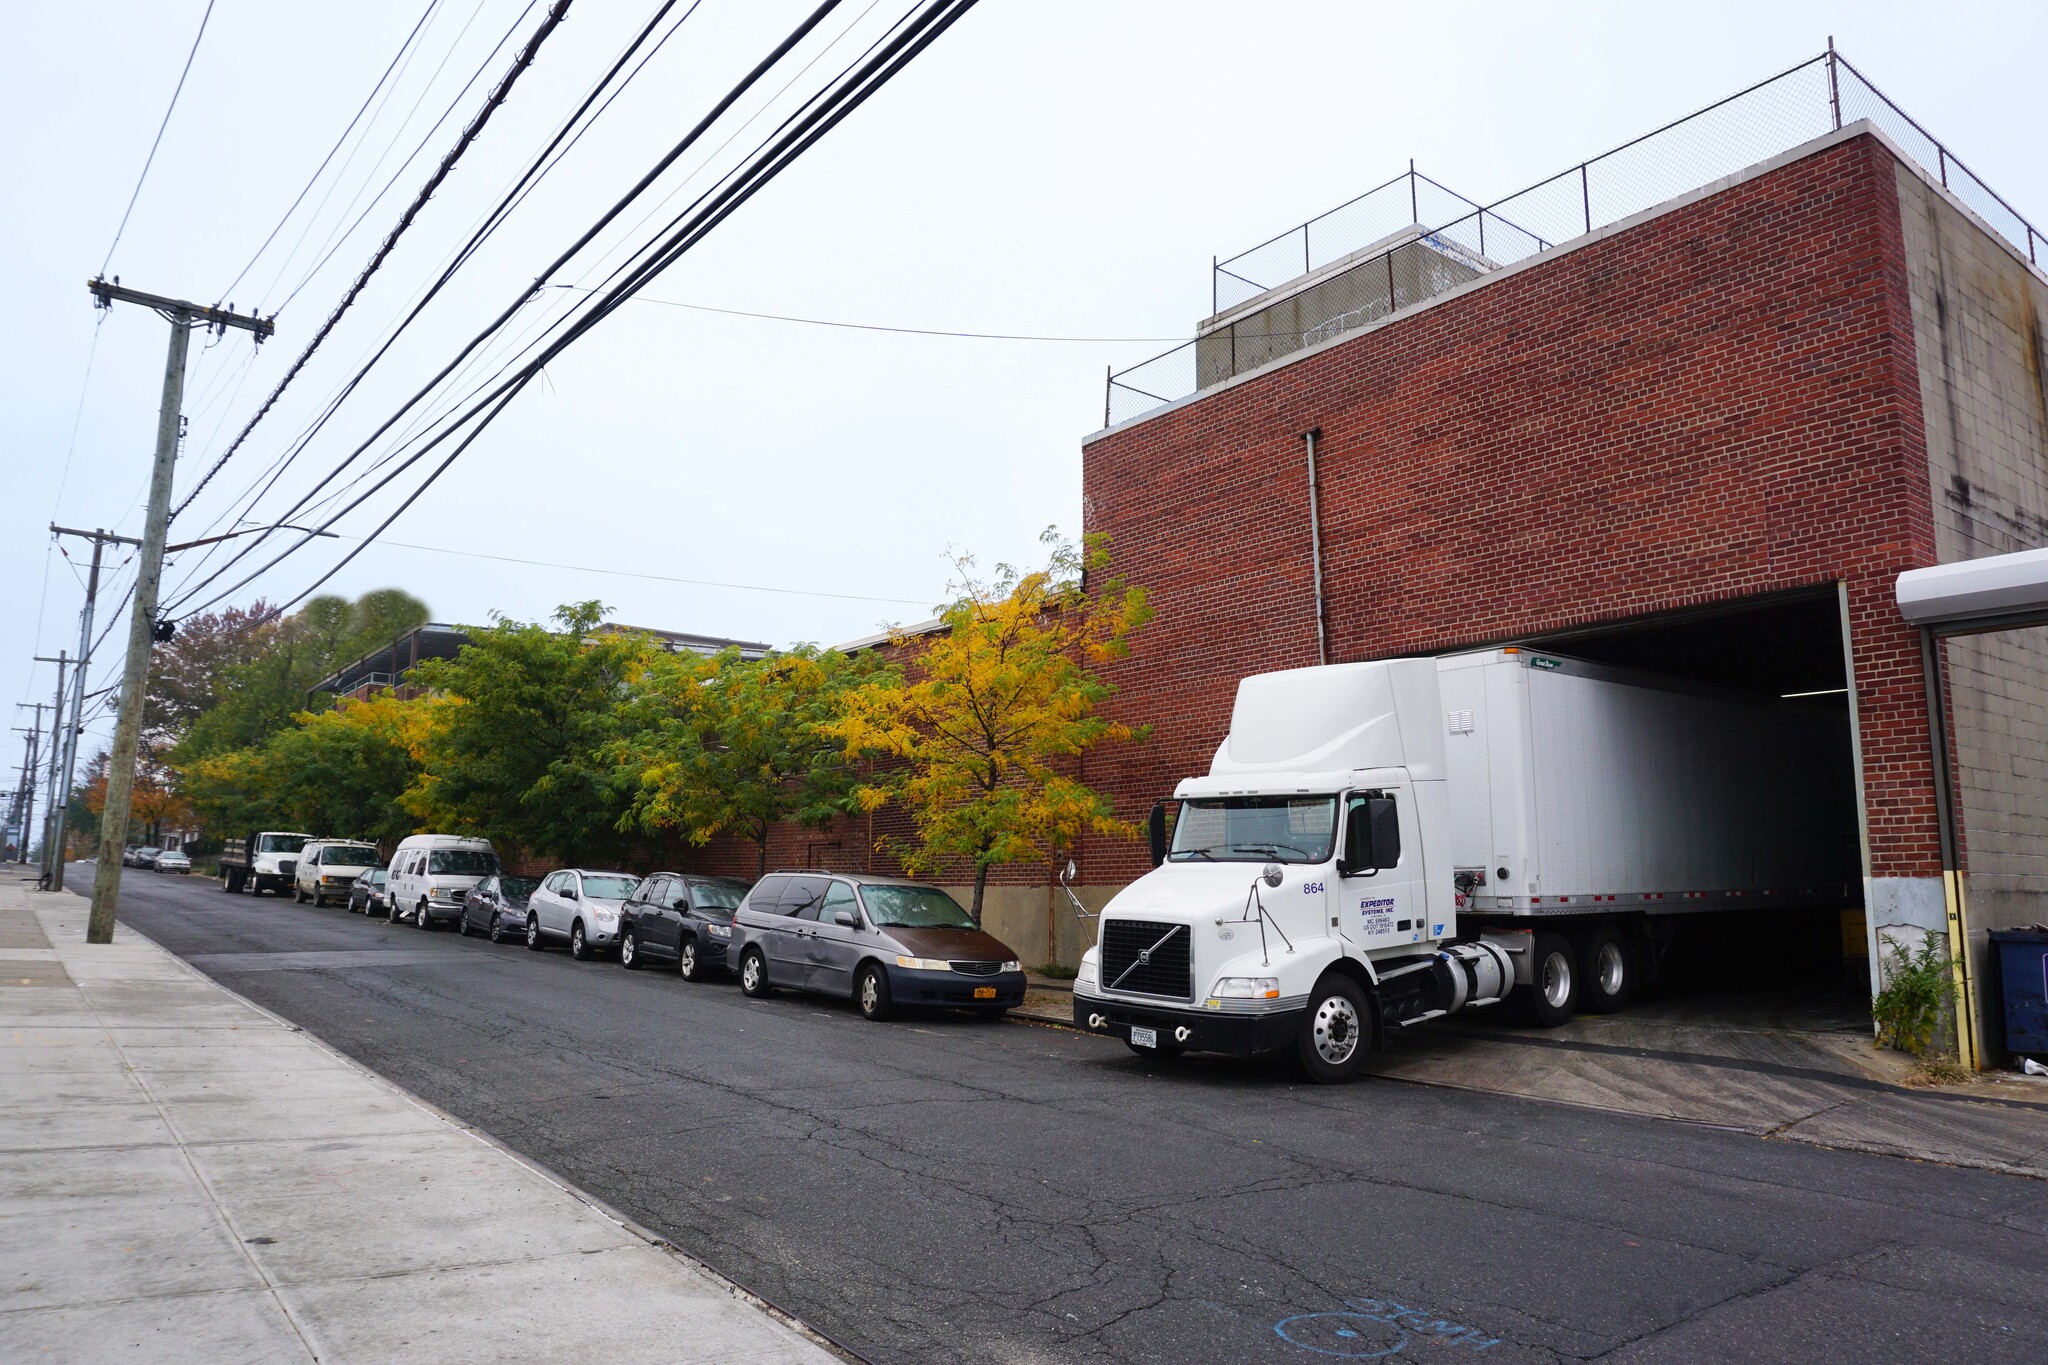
(1918, 990)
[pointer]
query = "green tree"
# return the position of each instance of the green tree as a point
(518, 748)
(259, 697)
(728, 745)
(986, 713)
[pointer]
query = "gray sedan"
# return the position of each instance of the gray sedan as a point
(883, 941)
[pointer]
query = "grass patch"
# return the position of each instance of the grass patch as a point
(1935, 1069)
(1056, 971)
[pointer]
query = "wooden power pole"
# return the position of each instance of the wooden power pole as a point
(142, 625)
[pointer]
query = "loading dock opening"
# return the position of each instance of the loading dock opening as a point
(1706, 965)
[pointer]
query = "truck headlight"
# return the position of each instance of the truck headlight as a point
(925, 964)
(1247, 988)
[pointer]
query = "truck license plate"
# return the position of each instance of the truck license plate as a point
(1144, 1037)
(984, 992)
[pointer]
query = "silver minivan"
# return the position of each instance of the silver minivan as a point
(882, 941)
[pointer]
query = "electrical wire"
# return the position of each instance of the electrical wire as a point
(914, 38)
(158, 140)
(650, 577)
(689, 139)
(877, 327)
(314, 179)
(469, 134)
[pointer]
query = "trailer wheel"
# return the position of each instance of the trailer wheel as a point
(1552, 996)
(1336, 1033)
(1608, 970)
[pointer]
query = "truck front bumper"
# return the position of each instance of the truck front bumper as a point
(1206, 1030)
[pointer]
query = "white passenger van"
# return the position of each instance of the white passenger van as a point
(431, 873)
(328, 867)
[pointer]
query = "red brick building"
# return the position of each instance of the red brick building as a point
(1705, 440)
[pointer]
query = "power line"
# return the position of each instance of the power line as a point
(650, 577)
(831, 107)
(325, 160)
(781, 50)
(534, 173)
(148, 160)
(877, 327)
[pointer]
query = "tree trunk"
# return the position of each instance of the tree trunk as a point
(980, 889)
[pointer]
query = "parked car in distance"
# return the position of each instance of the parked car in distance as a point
(580, 907)
(328, 867)
(883, 941)
(496, 906)
(172, 860)
(139, 856)
(431, 873)
(366, 892)
(674, 917)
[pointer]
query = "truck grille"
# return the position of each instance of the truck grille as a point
(1135, 959)
(977, 968)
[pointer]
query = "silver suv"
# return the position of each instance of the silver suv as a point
(579, 907)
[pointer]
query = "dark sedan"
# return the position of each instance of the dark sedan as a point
(496, 907)
(366, 893)
(686, 920)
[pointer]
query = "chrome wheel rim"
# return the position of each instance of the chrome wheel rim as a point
(1557, 981)
(1336, 1030)
(870, 992)
(576, 941)
(1608, 970)
(626, 951)
(750, 973)
(532, 932)
(686, 959)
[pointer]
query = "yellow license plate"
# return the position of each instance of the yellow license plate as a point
(984, 992)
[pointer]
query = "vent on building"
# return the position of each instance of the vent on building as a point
(1461, 721)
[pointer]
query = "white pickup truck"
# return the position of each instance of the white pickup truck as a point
(1379, 844)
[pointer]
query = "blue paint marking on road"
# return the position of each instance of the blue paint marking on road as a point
(1373, 1329)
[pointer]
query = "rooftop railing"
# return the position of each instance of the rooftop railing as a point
(1796, 105)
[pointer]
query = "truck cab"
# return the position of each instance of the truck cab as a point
(1305, 901)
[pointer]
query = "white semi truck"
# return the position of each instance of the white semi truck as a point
(1379, 844)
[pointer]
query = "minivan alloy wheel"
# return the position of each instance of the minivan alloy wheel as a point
(753, 974)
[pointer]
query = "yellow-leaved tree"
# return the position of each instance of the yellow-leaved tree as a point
(977, 728)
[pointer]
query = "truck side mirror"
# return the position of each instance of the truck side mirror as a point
(1357, 860)
(1385, 827)
(1155, 829)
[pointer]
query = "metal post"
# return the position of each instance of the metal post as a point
(1941, 159)
(1834, 86)
(1305, 267)
(1414, 210)
(1951, 860)
(92, 588)
(28, 785)
(1586, 193)
(1214, 307)
(56, 759)
(1391, 303)
(1315, 544)
(1108, 380)
(106, 877)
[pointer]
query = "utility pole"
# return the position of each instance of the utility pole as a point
(142, 625)
(56, 753)
(99, 540)
(28, 778)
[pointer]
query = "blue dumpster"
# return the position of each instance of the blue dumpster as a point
(2023, 973)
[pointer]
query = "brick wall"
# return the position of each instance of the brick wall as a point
(1718, 400)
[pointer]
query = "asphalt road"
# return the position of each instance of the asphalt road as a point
(945, 1189)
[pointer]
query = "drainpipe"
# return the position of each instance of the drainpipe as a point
(1951, 860)
(1315, 543)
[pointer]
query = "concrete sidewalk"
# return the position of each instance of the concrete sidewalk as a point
(184, 1177)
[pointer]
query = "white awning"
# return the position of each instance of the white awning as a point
(1991, 589)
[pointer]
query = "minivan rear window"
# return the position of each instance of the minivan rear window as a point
(462, 862)
(767, 894)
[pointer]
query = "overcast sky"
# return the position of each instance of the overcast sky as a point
(1047, 168)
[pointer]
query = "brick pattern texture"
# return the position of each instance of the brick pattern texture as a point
(1717, 402)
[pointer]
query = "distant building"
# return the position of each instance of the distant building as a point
(385, 669)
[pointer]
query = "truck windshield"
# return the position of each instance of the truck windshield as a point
(281, 843)
(1255, 829)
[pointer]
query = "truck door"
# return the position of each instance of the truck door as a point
(1379, 882)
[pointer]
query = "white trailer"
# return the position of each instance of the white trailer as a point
(1382, 843)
